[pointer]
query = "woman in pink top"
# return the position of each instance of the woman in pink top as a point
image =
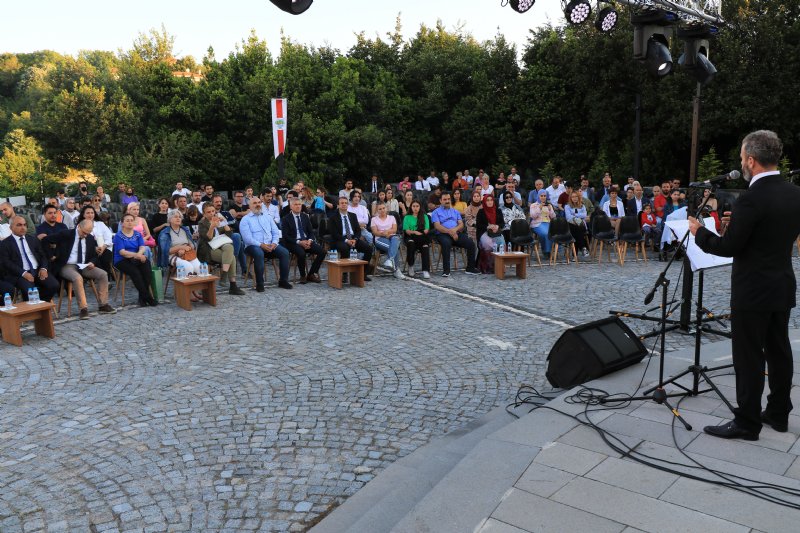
(387, 240)
(140, 225)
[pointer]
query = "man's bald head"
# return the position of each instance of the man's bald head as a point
(19, 226)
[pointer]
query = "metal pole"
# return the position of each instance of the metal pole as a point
(637, 130)
(695, 134)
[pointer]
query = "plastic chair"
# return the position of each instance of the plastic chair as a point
(603, 233)
(559, 234)
(630, 233)
(522, 237)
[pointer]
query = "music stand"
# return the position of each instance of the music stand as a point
(700, 262)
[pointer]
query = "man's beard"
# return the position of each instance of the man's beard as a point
(256, 210)
(746, 174)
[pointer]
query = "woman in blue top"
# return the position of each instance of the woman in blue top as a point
(575, 213)
(130, 259)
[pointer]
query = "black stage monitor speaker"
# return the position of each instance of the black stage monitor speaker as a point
(592, 350)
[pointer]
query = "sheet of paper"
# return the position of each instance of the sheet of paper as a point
(697, 257)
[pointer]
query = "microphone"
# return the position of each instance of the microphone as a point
(732, 175)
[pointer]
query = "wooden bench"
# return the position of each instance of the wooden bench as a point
(183, 290)
(501, 260)
(41, 314)
(355, 267)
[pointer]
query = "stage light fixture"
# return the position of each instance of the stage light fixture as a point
(577, 11)
(521, 6)
(295, 7)
(659, 60)
(695, 53)
(651, 33)
(606, 19)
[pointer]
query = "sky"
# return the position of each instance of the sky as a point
(73, 25)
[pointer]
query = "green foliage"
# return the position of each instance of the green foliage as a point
(547, 172)
(23, 168)
(438, 100)
(709, 165)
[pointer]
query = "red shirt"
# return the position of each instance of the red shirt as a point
(658, 204)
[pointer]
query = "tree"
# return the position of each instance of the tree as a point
(23, 168)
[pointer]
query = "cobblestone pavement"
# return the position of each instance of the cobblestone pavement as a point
(266, 412)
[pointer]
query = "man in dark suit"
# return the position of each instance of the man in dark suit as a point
(373, 185)
(346, 233)
(760, 235)
(25, 262)
(298, 237)
(635, 205)
(76, 254)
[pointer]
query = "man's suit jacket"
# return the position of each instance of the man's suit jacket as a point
(368, 187)
(630, 206)
(11, 259)
(336, 226)
(763, 228)
(64, 240)
(289, 228)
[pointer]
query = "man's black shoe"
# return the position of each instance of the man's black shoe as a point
(367, 278)
(235, 290)
(259, 288)
(472, 270)
(284, 285)
(731, 430)
(777, 425)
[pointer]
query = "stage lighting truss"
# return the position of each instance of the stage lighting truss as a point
(606, 19)
(294, 7)
(521, 6)
(577, 11)
(688, 11)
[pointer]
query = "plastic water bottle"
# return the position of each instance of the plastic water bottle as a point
(353, 254)
(334, 255)
(36, 299)
(7, 301)
(203, 269)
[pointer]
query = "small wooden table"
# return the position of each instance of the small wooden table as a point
(355, 267)
(501, 260)
(41, 315)
(184, 287)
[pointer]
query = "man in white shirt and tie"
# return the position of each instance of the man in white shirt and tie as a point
(25, 263)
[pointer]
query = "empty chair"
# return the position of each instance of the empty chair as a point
(522, 237)
(630, 232)
(603, 234)
(560, 235)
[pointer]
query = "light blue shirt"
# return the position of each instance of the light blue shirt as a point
(448, 218)
(259, 229)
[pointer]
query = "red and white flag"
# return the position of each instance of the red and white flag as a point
(279, 125)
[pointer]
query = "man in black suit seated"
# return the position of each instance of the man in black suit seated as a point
(760, 235)
(25, 262)
(297, 236)
(346, 233)
(76, 253)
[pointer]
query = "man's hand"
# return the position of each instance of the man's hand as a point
(351, 243)
(724, 221)
(694, 225)
(305, 244)
(41, 236)
(42, 274)
(27, 276)
(89, 266)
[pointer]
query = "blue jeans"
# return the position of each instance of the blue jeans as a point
(238, 251)
(389, 246)
(541, 231)
(258, 256)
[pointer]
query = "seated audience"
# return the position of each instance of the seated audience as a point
(159, 220)
(7, 213)
(103, 237)
(75, 256)
(613, 207)
(262, 240)
(449, 228)
(178, 249)
(511, 212)
(297, 236)
(362, 215)
(130, 258)
(380, 198)
(24, 263)
(471, 215)
(489, 228)
(542, 213)
(416, 229)
(459, 204)
(346, 233)
(650, 226)
(141, 227)
(213, 246)
(392, 205)
(387, 240)
(576, 214)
